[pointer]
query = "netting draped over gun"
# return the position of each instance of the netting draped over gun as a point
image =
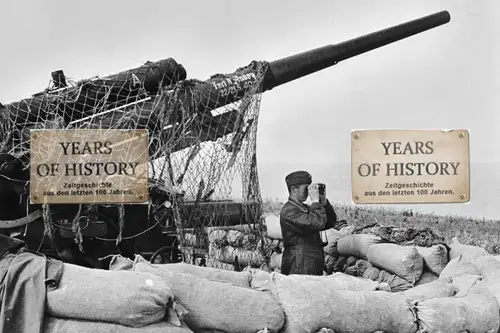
(201, 133)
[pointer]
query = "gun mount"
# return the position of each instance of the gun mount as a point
(180, 113)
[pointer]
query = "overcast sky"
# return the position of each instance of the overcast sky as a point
(444, 78)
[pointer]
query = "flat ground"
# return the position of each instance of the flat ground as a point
(478, 232)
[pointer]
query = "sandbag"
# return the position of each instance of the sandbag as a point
(273, 227)
(435, 257)
(249, 242)
(331, 249)
(468, 252)
(464, 283)
(228, 255)
(356, 245)
(217, 305)
(309, 306)
(261, 280)
(362, 266)
(329, 264)
(275, 260)
(372, 273)
(351, 261)
(267, 245)
(195, 240)
(217, 238)
(458, 266)
(426, 277)
(58, 325)
(438, 288)
(404, 261)
(235, 238)
(340, 265)
(489, 268)
(331, 236)
(123, 297)
(341, 281)
(476, 312)
(237, 278)
(338, 281)
(396, 283)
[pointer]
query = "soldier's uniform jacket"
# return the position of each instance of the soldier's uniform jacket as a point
(300, 226)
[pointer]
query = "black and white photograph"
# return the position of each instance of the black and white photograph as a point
(250, 167)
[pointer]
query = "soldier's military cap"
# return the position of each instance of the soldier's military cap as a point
(298, 178)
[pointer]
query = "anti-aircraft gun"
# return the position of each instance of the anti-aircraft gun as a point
(201, 132)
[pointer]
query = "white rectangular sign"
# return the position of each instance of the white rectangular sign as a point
(89, 166)
(410, 166)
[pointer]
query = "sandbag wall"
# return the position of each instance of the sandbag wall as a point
(202, 300)
(232, 248)
(138, 296)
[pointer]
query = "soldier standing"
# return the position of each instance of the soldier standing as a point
(301, 225)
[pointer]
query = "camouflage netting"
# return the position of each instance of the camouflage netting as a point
(403, 236)
(202, 136)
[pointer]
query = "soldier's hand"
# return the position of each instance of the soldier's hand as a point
(313, 192)
(322, 199)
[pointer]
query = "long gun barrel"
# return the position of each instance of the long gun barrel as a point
(302, 64)
(296, 66)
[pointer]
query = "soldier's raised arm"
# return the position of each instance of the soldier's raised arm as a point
(303, 221)
(331, 216)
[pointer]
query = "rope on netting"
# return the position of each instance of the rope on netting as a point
(121, 223)
(48, 225)
(77, 229)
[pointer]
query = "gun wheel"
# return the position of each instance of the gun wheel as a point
(167, 255)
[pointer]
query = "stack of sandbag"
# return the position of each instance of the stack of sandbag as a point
(489, 269)
(475, 306)
(207, 300)
(252, 249)
(343, 303)
(401, 266)
(214, 299)
(195, 239)
(366, 270)
(310, 303)
(472, 309)
(100, 300)
(230, 247)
